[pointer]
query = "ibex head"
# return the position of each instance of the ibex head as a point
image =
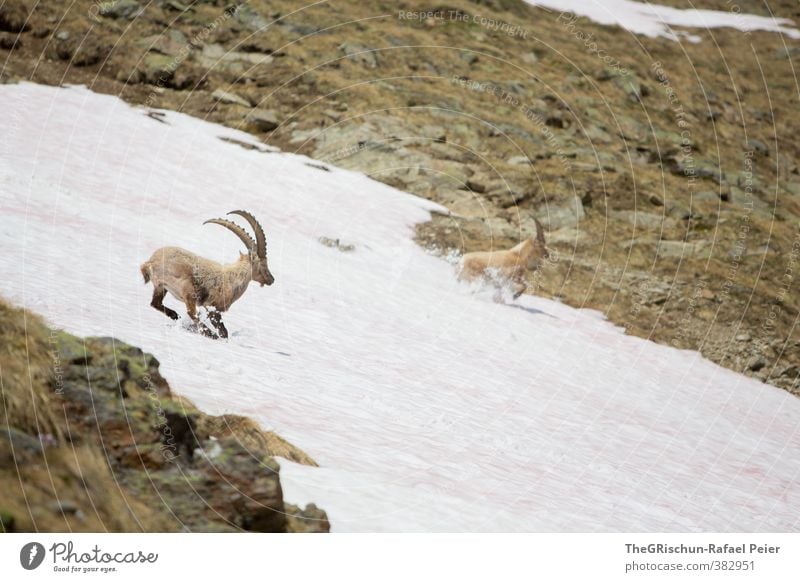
(256, 249)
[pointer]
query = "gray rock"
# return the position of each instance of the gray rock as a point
(81, 52)
(337, 244)
(64, 506)
(520, 161)
(630, 128)
(297, 28)
(757, 146)
(793, 188)
(596, 134)
(177, 6)
(477, 184)
(241, 64)
(743, 337)
(229, 98)
(756, 363)
(172, 43)
(468, 57)
(690, 166)
(10, 41)
(706, 196)
(250, 18)
(648, 220)
(358, 53)
(631, 85)
(262, 120)
(686, 250)
(127, 9)
(13, 16)
(514, 197)
(787, 52)
(21, 442)
(556, 216)
(743, 200)
(791, 371)
(158, 69)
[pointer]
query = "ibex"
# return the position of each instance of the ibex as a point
(199, 282)
(499, 267)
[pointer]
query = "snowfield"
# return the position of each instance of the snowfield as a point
(428, 407)
(651, 19)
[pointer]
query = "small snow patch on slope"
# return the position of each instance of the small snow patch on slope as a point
(428, 408)
(655, 20)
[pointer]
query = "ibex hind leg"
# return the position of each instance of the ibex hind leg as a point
(158, 303)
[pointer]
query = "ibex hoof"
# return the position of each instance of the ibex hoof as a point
(202, 330)
(216, 320)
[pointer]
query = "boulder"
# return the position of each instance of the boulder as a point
(221, 96)
(172, 43)
(312, 519)
(785, 53)
(630, 85)
(241, 64)
(123, 9)
(158, 69)
(358, 53)
(756, 363)
(520, 161)
(81, 51)
(560, 215)
(792, 188)
(642, 220)
(757, 146)
(250, 18)
(10, 41)
(13, 16)
(262, 120)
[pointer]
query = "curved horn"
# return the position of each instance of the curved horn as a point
(237, 230)
(539, 231)
(261, 241)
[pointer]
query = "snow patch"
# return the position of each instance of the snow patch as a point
(654, 20)
(428, 408)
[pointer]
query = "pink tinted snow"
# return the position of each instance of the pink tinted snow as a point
(428, 406)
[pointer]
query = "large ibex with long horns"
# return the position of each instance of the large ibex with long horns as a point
(200, 282)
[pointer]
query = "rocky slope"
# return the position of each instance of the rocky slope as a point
(95, 440)
(665, 173)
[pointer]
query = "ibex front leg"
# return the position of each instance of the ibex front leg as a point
(215, 317)
(191, 310)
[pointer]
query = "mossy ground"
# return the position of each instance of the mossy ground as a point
(96, 441)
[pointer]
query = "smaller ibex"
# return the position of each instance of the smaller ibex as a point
(199, 282)
(500, 267)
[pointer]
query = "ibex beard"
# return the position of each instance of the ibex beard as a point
(199, 282)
